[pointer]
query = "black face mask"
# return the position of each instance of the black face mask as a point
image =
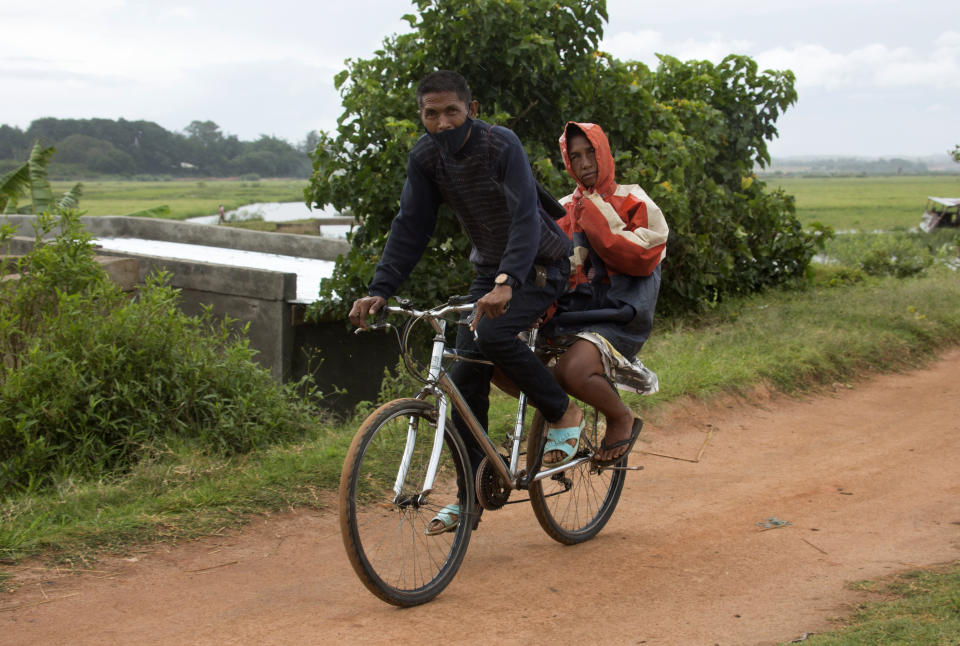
(450, 141)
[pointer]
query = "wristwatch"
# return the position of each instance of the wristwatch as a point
(506, 279)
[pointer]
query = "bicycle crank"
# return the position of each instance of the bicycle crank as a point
(492, 491)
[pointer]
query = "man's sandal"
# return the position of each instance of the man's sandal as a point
(634, 434)
(448, 517)
(558, 439)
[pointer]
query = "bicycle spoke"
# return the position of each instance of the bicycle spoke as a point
(385, 533)
(576, 513)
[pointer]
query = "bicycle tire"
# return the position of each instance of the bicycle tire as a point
(384, 534)
(573, 506)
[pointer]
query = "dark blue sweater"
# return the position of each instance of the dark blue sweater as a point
(489, 186)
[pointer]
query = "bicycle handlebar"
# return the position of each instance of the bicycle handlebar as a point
(453, 305)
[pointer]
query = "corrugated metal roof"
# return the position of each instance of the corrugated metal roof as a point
(945, 201)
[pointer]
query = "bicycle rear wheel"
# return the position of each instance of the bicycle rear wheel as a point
(573, 506)
(384, 533)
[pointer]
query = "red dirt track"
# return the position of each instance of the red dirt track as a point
(868, 478)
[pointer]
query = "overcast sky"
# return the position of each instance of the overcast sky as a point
(875, 77)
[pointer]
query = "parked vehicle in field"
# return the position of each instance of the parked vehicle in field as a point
(940, 212)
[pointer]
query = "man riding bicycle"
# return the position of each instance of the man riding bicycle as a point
(519, 254)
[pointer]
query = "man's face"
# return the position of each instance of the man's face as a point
(583, 159)
(440, 111)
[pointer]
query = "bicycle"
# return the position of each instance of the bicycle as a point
(407, 460)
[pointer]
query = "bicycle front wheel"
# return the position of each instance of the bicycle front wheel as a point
(573, 506)
(384, 512)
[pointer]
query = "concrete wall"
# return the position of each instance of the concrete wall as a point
(346, 367)
(255, 296)
(258, 297)
(211, 235)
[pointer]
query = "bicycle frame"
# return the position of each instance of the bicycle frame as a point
(439, 385)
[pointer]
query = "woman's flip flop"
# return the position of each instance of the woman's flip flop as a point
(634, 434)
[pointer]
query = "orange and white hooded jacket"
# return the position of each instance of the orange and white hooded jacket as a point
(619, 237)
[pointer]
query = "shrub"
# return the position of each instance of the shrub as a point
(92, 381)
(899, 254)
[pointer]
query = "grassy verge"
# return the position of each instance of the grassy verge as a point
(183, 495)
(798, 340)
(186, 198)
(925, 610)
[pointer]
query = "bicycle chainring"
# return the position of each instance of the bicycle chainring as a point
(492, 492)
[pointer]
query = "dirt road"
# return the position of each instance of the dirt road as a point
(868, 479)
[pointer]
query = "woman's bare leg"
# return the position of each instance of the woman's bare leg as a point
(580, 372)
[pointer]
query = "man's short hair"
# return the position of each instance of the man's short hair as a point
(444, 81)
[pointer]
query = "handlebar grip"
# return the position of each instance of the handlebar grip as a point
(379, 322)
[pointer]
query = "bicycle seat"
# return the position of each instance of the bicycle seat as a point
(622, 314)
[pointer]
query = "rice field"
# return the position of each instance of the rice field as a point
(186, 198)
(865, 203)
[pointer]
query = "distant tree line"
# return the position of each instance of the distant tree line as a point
(121, 147)
(848, 166)
(893, 166)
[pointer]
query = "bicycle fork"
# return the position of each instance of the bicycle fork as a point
(436, 359)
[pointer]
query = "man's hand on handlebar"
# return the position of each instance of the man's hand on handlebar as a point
(364, 307)
(493, 303)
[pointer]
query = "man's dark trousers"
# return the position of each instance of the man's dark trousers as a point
(497, 341)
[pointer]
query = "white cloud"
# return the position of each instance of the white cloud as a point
(815, 65)
(949, 40)
(640, 45)
(58, 9)
(874, 66)
(645, 44)
(713, 50)
(179, 11)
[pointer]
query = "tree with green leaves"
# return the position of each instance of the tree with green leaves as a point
(690, 133)
(13, 143)
(955, 153)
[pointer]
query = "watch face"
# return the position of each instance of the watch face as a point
(501, 279)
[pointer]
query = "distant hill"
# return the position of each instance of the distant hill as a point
(92, 147)
(832, 165)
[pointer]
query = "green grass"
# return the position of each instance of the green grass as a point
(925, 611)
(180, 496)
(186, 198)
(797, 341)
(865, 203)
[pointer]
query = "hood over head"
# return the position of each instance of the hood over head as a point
(605, 165)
